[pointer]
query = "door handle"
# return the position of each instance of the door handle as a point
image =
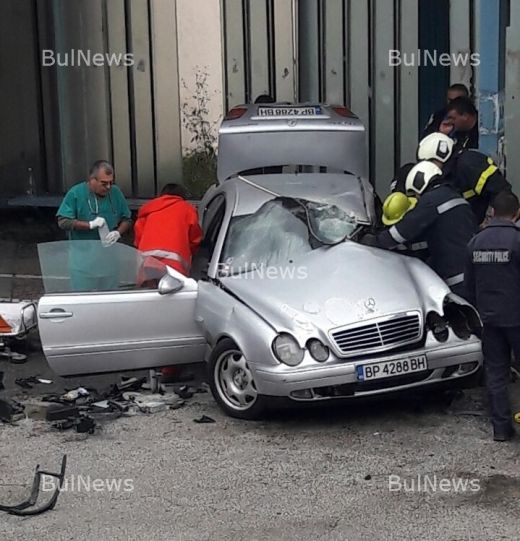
(56, 313)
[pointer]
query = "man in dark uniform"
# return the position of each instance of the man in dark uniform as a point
(441, 217)
(463, 117)
(435, 122)
(435, 147)
(492, 280)
(477, 178)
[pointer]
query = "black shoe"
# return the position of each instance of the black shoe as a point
(503, 435)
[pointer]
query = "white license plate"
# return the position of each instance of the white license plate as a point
(289, 111)
(388, 369)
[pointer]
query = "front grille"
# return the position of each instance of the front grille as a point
(382, 334)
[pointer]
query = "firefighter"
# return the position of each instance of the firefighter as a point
(435, 147)
(441, 217)
(477, 178)
(492, 280)
(395, 207)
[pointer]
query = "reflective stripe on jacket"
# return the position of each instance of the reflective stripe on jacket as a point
(445, 221)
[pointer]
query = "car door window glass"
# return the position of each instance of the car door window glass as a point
(88, 266)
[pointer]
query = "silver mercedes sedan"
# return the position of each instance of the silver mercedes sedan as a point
(284, 301)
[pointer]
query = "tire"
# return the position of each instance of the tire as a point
(232, 383)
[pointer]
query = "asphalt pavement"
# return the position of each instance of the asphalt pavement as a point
(414, 468)
(424, 467)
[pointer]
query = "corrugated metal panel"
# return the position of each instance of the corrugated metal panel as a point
(259, 61)
(166, 91)
(20, 145)
(82, 91)
(358, 36)
(284, 49)
(118, 96)
(132, 115)
(309, 71)
(460, 20)
(512, 101)
(235, 73)
(408, 82)
(141, 100)
(383, 137)
(334, 53)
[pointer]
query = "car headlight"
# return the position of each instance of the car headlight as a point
(319, 351)
(463, 319)
(438, 325)
(287, 350)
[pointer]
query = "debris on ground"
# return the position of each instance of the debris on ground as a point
(83, 409)
(74, 394)
(204, 419)
(11, 410)
(26, 508)
(186, 392)
(153, 403)
(28, 383)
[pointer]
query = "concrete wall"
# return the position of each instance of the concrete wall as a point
(200, 67)
(204, 56)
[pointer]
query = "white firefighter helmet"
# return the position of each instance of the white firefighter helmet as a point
(435, 146)
(420, 176)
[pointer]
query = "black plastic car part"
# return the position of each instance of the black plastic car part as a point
(23, 509)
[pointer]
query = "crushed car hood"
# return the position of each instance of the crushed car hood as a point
(336, 286)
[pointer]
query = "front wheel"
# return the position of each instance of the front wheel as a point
(232, 383)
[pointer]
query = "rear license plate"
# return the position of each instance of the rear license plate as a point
(289, 111)
(388, 369)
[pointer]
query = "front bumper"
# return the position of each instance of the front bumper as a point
(312, 381)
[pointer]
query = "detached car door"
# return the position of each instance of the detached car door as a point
(109, 309)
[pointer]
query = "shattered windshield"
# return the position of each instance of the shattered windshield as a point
(90, 266)
(281, 231)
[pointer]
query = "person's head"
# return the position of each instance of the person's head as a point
(174, 189)
(436, 147)
(101, 177)
(420, 177)
(457, 90)
(505, 205)
(396, 205)
(264, 98)
(462, 114)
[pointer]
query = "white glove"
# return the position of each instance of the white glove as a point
(96, 223)
(112, 238)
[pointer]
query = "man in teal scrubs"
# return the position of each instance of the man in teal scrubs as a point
(94, 210)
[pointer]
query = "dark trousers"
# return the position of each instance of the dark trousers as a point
(497, 343)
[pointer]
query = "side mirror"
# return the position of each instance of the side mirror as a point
(169, 284)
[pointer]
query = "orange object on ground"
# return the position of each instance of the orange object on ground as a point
(4, 326)
(167, 229)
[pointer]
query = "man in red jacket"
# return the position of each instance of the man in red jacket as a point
(167, 229)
